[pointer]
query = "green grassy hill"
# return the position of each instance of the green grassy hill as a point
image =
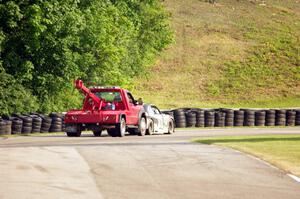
(242, 53)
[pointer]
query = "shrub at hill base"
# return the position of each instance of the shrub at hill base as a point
(14, 97)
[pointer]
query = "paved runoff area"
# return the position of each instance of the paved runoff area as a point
(157, 166)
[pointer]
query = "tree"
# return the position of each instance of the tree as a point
(46, 45)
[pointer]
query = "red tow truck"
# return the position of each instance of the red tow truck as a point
(106, 108)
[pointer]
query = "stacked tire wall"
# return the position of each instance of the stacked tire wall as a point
(229, 117)
(16, 126)
(5, 127)
(239, 117)
(180, 119)
(193, 117)
(209, 118)
(184, 117)
(46, 124)
(220, 119)
(260, 118)
(270, 117)
(31, 123)
(280, 117)
(56, 124)
(27, 124)
(200, 119)
(36, 124)
(297, 118)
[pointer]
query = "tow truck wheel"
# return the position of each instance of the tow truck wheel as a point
(142, 127)
(97, 133)
(121, 128)
(111, 132)
(132, 131)
(72, 134)
(77, 133)
(150, 129)
(69, 134)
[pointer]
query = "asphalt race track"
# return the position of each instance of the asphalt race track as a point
(157, 166)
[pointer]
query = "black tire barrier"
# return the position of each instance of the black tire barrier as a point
(36, 124)
(46, 124)
(270, 117)
(209, 118)
(63, 126)
(290, 117)
(56, 124)
(249, 117)
(184, 117)
(297, 119)
(180, 119)
(16, 127)
(200, 119)
(229, 117)
(260, 118)
(179, 111)
(5, 127)
(2, 127)
(239, 117)
(220, 119)
(191, 119)
(27, 124)
(280, 119)
(8, 127)
(55, 115)
(56, 121)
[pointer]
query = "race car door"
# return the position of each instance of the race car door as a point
(158, 118)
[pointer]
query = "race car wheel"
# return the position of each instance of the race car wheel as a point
(150, 129)
(171, 127)
(142, 127)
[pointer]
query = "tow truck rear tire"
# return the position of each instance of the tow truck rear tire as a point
(72, 134)
(97, 133)
(121, 128)
(112, 132)
(142, 127)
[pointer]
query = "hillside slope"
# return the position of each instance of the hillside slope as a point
(233, 53)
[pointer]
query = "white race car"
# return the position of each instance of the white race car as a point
(158, 122)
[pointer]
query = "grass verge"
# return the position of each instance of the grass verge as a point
(283, 151)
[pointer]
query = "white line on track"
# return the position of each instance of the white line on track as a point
(294, 177)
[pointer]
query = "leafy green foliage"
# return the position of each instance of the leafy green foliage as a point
(46, 45)
(14, 97)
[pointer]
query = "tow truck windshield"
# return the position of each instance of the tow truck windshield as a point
(109, 96)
